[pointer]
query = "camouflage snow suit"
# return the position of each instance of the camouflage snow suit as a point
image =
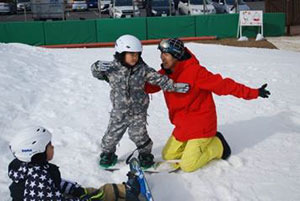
(129, 101)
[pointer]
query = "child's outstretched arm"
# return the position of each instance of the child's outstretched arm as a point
(165, 83)
(100, 69)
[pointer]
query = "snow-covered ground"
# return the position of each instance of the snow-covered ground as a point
(54, 88)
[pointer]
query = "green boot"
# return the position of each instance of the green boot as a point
(108, 159)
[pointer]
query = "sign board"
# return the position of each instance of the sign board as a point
(250, 18)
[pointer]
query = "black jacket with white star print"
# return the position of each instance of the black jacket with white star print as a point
(36, 182)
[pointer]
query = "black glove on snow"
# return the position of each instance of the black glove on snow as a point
(132, 183)
(78, 192)
(262, 92)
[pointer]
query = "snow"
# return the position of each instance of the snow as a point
(54, 88)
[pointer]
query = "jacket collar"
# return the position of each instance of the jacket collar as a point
(182, 65)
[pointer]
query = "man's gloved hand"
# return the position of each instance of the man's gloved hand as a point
(262, 92)
(181, 87)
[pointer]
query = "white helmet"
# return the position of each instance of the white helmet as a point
(128, 43)
(30, 141)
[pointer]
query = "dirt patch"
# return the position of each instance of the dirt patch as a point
(233, 42)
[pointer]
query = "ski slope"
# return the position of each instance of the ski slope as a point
(54, 88)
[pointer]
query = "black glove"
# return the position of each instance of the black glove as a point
(132, 183)
(78, 191)
(132, 187)
(262, 92)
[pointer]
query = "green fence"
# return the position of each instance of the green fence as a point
(216, 25)
(32, 33)
(179, 26)
(70, 32)
(108, 30)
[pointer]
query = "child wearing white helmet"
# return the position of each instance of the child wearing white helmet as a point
(34, 178)
(127, 75)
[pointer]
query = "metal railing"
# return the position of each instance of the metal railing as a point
(62, 10)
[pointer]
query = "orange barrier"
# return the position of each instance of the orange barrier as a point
(111, 44)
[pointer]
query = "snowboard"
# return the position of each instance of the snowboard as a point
(119, 165)
(168, 166)
(135, 168)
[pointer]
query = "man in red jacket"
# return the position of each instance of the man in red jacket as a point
(195, 139)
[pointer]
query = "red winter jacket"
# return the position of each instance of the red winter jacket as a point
(194, 113)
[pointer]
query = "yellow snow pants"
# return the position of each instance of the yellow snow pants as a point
(193, 154)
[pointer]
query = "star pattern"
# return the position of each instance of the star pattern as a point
(32, 184)
(41, 194)
(43, 177)
(39, 186)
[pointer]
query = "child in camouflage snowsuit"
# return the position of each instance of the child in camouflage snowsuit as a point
(34, 178)
(127, 75)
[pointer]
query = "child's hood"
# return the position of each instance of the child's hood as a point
(17, 170)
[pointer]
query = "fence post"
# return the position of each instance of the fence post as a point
(288, 16)
(25, 14)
